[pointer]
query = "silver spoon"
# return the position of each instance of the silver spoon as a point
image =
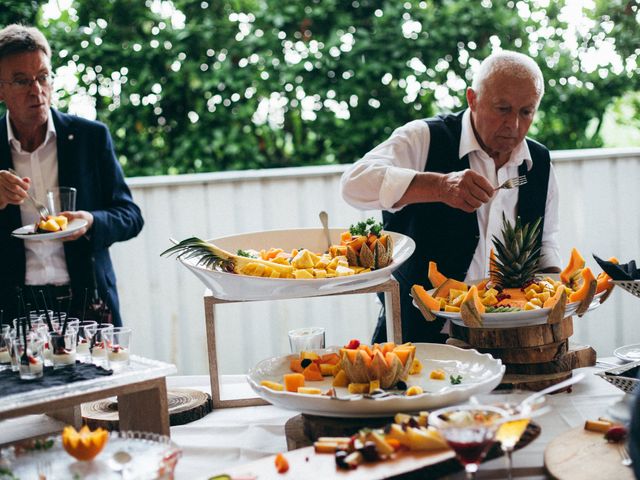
(324, 219)
(552, 388)
(118, 462)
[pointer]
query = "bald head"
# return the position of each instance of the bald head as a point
(508, 64)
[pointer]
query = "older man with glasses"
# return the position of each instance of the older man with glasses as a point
(41, 149)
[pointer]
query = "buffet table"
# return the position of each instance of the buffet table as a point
(234, 436)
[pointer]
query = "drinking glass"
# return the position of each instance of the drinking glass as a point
(305, 339)
(86, 331)
(63, 348)
(98, 345)
(118, 342)
(5, 350)
(28, 356)
(469, 430)
(61, 199)
(510, 431)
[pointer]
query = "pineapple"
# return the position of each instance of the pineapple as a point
(517, 256)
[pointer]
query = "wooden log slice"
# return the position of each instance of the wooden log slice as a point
(541, 353)
(533, 382)
(515, 337)
(185, 406)
(576, 357)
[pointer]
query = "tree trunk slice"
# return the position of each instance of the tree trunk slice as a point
(185, 406)
(533, 382)
(539, 354)
(582, 356)
(533, 336)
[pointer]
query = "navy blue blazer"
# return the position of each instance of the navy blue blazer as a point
(86, 161)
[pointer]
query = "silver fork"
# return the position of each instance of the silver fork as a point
(513, 182)
(626, 459)
(40, 208)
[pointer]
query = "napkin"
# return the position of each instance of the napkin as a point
(623, 271)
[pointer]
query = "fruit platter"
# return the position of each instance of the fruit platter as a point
(516, 294)
(373, 381)
(54, 227)
(294, 263)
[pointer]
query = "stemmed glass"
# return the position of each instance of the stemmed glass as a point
(520, 413)
(469, 430)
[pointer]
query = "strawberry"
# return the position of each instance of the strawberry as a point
(353, 344)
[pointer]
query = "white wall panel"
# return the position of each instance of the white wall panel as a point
(162, 301)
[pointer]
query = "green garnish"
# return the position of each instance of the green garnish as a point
(457, 380)
(244, 253)
(365, 228)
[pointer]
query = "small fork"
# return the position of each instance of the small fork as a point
(513, 182)
(626, 459)
(40, 208)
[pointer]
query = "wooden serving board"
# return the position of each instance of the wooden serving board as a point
(583, 455)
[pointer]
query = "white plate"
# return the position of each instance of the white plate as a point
(481, 373)
(524, 318)
(26, 232)
(231, 286)
(628, 353)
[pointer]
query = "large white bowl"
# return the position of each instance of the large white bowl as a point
(523, 318)
(481, 373)
(231, 286)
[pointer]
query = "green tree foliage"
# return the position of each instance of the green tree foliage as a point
(193, 86)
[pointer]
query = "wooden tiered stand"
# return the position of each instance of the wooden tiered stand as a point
(535, 356)
(391, 292)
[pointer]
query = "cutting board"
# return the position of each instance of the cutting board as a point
(304, 463)
(583, 455)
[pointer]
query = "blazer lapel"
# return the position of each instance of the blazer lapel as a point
(67, 153)
(12, 211)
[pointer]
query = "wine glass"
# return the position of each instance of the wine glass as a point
(520, 413)
(469, 430)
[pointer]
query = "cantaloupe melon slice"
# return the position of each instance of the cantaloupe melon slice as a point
(611, 285)
(576, 263)
(586, 292)
(443, 290)
(557, 304)
(425, 302)
(435, 277)
(471, 309)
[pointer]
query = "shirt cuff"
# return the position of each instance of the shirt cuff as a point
(394, 185)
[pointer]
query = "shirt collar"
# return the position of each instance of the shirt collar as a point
(469, 143)
(15, 143)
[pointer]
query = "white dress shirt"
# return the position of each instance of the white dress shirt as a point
(381, 177)
(45, 260)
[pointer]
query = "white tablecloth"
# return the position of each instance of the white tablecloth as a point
(235, 436)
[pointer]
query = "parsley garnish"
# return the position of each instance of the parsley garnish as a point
(244, 253)
(457, 380)
(365, 228)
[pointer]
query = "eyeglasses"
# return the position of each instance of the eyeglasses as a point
(24, 84)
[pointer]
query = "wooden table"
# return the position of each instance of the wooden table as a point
(391, 292)
(141, 390)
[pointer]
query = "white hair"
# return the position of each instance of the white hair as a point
(514, 64)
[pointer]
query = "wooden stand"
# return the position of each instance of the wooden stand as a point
(536, 356)
(391, 292)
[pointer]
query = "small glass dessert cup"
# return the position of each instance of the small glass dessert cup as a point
(307, 338)
(28, 357)
(118, 341)
(5, 347)
(469, 430)
(63, 348)
(98, 345)
(86, 331)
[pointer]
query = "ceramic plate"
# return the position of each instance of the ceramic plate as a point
(522, 318)
(231, 286)
(481, 373)
(628, 353)
(27, 232)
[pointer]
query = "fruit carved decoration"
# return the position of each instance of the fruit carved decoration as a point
(85, 444)
(387, 363)
(363, 248)
(514, 283)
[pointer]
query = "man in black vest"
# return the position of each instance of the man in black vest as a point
(434, 179)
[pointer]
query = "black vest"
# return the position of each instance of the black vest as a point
(448, 235)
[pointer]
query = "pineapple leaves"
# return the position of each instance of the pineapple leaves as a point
(206, 254)
(517, 254)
